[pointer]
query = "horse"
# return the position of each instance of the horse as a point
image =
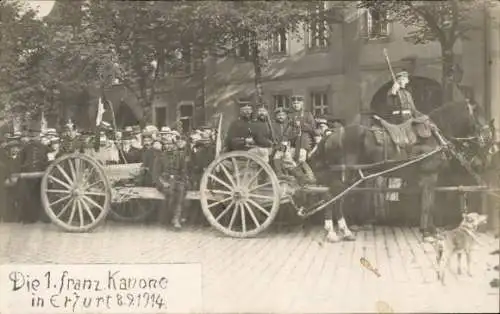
(360, 143)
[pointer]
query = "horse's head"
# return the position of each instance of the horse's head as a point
(482, 131)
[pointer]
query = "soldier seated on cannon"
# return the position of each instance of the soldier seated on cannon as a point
(170, 177)
(241, 134)
(303, 125)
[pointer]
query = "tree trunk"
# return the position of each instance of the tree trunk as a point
(447, 74)
(257, 66)
(147, 114)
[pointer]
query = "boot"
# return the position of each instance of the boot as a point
(331, 235)
(176, 220)
(298, 175)
(309, 174)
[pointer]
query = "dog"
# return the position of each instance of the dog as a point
(456, 241)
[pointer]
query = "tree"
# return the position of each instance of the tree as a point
(446, 22)
(224, 26)
(140, 40)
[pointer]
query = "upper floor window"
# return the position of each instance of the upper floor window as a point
(185, 115)
(184, 64)
(319, 103)
(319, 28)
(375, 24)
(244, 47)
(279, 42)
(281, 101)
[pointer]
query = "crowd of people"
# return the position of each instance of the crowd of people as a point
(287, 139)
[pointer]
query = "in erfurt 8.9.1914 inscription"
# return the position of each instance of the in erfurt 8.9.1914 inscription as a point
(87, 288)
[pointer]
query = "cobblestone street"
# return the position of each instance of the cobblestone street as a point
(294, 271)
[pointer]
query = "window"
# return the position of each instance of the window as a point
(319, 103)
(186, 114)
(184, 60)
(244, 47)
(161, 116)
(281, 101)
(243, 101)
(319, 29)
(375, 24)
(279, 42)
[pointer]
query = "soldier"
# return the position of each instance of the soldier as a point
(10, 163)
(262, 134)
(400, 104)
(33, 158)
(282, 158)
(147, 158)
(170, 177)
(303, 124)
(54, 147)
(69, 140)
(203, 151)
(239, 135)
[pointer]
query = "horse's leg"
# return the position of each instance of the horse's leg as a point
(379, 200)
(331, 235)
(427, 183)
(339, 212)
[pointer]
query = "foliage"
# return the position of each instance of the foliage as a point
(443, 21)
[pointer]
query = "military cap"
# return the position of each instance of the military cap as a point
(297, 98)
(51, 132)
(54, 139)
(136, 129)
(280, 110)
(321, 121)
(402, 74)
(244, 105)
(13, 143)
(69, 125)
(165, 130)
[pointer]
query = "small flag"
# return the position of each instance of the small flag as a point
(100, 112)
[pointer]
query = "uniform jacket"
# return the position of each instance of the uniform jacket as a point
(170, 165)
(262, 133)
(395, 106)
(236, 134)
(71, 145)
(282, 131)
(33, 157)
(307, 129)
(134, 155)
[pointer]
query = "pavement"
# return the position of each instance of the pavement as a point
(285, 271)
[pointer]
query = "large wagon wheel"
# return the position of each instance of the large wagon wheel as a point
(76, 194)
(240, 194)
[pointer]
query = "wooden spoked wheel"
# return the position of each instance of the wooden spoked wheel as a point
(76, 194)
(134, 210)
(240, 194)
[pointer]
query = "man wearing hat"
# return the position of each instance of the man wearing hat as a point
(69, 141)
(282, 158)
(33, 158)
(170, 177)
(147, 158)
(400, 104)
(262, 134)
(303, 126)
(10, 163)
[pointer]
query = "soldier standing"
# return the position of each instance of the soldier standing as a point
(147, 159)
(281, 130)
(10, 163)
(262, 134)
(33, 158)
(170, 177)
(69, 140)
(303, 124)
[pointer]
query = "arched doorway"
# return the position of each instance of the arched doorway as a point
(427, 94)
(404, 208)
(125, 116)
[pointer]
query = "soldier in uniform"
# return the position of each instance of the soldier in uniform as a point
(10, 163)
(239, 135)
(262, 134)
(303, 124)
(282, 158)
(147, 158)
(170, 177)
(400, 104)
(33, 158)
(69, 140)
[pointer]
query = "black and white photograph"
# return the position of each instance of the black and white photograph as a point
(249, 156)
